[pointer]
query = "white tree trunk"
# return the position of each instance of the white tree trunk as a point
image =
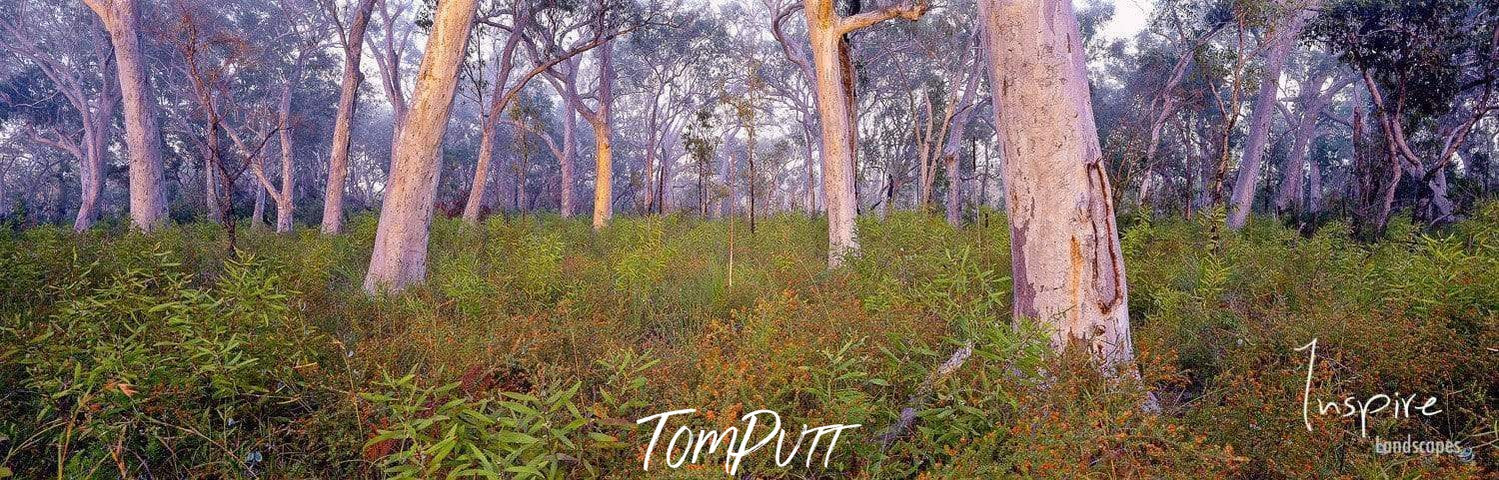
(833, 100)
(148, 204)
(1067, 267)
(826, 30)
(284, 197)
(569, 154)
(348, 101)
(400, 253)
(1284, 38)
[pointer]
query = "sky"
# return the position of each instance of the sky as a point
(1129, 18)
(1129, 15)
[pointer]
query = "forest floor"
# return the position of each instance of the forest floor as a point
(536, 344)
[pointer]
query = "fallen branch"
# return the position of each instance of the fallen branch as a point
(918, 399)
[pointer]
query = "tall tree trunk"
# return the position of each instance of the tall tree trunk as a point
(835, 109)
(284, 198)
(400, 252)
(497, 103)
(568, 160)
(348, 101)
(1067, 267)
(148, 204)
(603, 196)
(1264, 108)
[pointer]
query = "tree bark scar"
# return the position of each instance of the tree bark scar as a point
(1107, 264)
(1075, 287)
(1025, 292)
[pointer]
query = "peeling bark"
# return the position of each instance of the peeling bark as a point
(836, 111)
(1067, 267)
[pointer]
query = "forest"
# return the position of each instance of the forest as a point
(749, 239)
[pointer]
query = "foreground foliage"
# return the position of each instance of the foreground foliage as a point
(536, 344)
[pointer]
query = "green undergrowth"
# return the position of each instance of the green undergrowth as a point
(536, 343)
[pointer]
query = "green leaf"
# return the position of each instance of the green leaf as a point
(516, 437)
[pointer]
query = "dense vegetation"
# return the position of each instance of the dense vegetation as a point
(536, 343)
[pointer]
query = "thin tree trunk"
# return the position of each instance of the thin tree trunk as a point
(568, 160)
(284, 198)
(348, 101)
(400, 251)
(1067, 266)
(1264, 109)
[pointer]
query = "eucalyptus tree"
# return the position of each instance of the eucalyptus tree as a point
(1429, 69)
(79, 69)
(663, 74)
(504, 91)
(301, 26)
(351, 34)
(826, 31)
(797, 89)
(1286, 19)
(148, 203)
(1322, 81)
(399, 258)
(215, 51)
(604, 21)
(1067, 265)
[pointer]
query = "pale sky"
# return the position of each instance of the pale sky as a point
(1129, 15)
(1129, 18)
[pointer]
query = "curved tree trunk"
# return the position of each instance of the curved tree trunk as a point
(400, 252)
(1245, 185)
(1067, 266)
(148, 204)
(348, 100)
